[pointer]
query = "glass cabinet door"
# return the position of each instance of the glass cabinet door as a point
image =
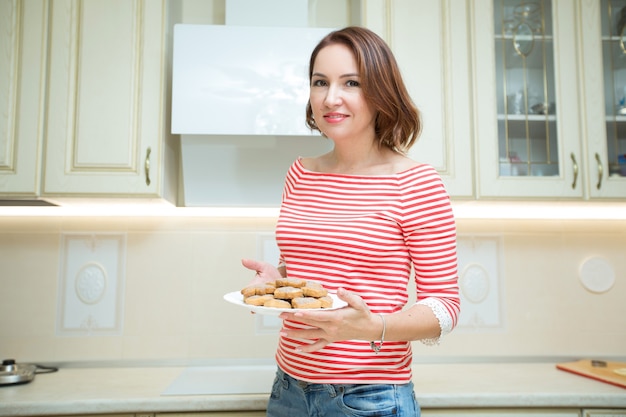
(526, 102)
(613, 24)
(524, 50)
(602, 39)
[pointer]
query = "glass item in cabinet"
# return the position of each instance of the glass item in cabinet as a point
(527, 127)
(613, 21)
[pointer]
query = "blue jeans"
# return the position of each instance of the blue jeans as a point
(293, 398)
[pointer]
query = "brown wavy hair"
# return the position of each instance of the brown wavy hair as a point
(398, 121)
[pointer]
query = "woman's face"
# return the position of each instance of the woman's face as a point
(337, 100)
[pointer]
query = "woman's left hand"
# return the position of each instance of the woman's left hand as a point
(354, 321)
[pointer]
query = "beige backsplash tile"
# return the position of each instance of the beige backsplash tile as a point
(178, 268)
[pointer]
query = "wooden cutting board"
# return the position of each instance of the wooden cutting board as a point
(612, 373)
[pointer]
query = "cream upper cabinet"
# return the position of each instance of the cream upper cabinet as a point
(603, 60)
(22, 75)
(429, 40)
(526, 103)
(549, 90)
(106, 130)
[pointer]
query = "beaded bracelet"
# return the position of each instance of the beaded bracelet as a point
(376, 347)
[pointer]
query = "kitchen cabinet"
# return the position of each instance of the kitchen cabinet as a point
(106, 110)
(429, 40)
(527, 121)
(205, 414)
(214, 414)
(22, 75)
(603, 59)
(496, 412)
(106, 415)
(492, 412)
(548, 77)
(604, 413)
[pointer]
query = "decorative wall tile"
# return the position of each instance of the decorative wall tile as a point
(480, 282)
(91, 284)
(596, 274)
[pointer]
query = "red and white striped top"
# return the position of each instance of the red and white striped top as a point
(363, 233)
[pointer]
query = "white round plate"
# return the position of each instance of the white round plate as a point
(236, 298)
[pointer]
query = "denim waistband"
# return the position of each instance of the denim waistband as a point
(309, 386)
(314, 386)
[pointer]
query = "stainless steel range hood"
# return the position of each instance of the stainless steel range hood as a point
(238, 102)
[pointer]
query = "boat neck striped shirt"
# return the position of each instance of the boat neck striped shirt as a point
(366, 233)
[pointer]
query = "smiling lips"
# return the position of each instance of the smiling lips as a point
(335, 117)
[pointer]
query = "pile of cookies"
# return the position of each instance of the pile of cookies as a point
(288, 293)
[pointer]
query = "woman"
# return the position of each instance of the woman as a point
(358, 220)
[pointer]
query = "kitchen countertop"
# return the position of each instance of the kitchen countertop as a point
(443, 385)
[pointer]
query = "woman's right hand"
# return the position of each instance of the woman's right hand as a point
(265, 271)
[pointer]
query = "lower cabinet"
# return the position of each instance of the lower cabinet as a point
(604, 413)
(461, 412)
(213, 414)
(497, 412)
(518, 412)
(203, 414)
(103, 415)
(456, 412)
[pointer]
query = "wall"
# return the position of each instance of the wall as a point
(173, 271)
(176, 269)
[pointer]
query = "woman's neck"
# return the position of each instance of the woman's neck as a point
(372, 160)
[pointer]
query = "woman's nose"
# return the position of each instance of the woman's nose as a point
(333, 97)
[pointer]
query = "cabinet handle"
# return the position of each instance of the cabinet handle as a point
(575, 170)
(146, 166)
(600, 171)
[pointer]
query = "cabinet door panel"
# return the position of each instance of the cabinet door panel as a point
(604, 97)
(106, 78)
(106, 102)
(429, 39)
(523, 152)
(22, 53)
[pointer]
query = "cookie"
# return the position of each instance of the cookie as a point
(326, 301)
(290, 282)
(306, 302)
(258, 289)
(287, 293)
(313, 289)
(258, 300)
(276, 303)
(248, 292)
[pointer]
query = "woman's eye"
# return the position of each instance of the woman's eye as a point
(353, 83)
(318, 83)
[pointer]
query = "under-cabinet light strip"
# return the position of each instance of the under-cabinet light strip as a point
(463, 210)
